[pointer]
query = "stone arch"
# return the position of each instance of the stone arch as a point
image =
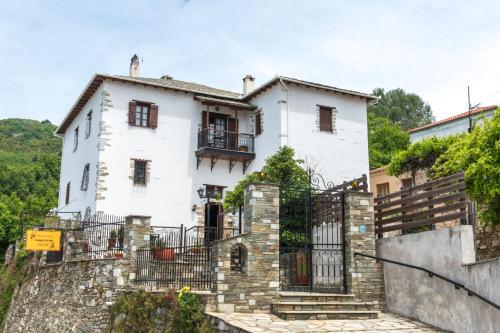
(239, 258)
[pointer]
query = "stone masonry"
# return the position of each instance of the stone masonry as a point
(365, 277)
(250, 283)
(487, 238)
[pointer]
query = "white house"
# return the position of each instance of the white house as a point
(452, 125)
(144, 146)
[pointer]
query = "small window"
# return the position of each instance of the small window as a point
(258, 123)
(140, 172)
(142, 115)
(88, 124)
(75, 139)
(238, 258)
(85, 178)
(68, 189)
(325, 119)
(382, 189)
(86, 216)
(405, 183)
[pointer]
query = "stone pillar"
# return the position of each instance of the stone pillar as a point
(255, 285)
(136, 236)
(365, 277)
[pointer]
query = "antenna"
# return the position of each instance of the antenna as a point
(142, 61)
(470, 109)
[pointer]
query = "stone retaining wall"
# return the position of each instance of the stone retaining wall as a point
(68, 297)
(487, 239)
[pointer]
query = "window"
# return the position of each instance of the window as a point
(405, 183)
(86, 217)
(238, 257)
(143, 114)
(382, 189)
(258, 123)
(325, 119)
(85, 177)
(75, 139)
(68, 188)
(140, 172)
(88, 125)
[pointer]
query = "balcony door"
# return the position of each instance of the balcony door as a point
(217, 130)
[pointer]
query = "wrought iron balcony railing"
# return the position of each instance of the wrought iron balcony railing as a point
(226, 140)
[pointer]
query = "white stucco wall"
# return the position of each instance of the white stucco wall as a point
(454, 127)
(73, 162)
(339, 156)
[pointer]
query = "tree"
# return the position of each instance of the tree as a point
(478, 155)
(406, 109)
(281, 168)
(384, 140)
(419, 156)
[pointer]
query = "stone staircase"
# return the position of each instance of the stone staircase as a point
(322, 306)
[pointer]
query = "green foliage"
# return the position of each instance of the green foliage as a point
(405, 109)
(29, 174)
(281, 168)
(385, 138)
(478, 155)
(145, 312)
(419, 156)
(11, 276)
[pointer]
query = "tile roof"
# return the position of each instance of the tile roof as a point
(276, 79)
(453, 118)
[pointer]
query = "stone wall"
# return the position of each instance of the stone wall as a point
(249, 282)
(365, 277)
(487, 239)
(72, 296)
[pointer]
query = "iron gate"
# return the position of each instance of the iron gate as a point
(312, 238)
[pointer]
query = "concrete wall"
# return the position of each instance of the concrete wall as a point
(453, 127)
(449, 252)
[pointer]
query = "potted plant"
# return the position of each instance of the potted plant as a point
(119, 255)
(197, 249)
(162, 252)
(112, 239)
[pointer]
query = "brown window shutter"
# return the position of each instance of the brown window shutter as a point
(232, 127)
(204, 123)
(325, 119)
(131, 112)
(258, 123)
(153, 116)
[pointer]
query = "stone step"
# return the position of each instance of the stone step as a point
(309, 306)
(298, 296)
(327, 314)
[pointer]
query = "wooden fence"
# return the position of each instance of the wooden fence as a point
(441, 201)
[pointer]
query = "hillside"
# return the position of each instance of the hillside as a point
(29, 174)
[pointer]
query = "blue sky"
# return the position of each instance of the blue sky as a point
(50, 49)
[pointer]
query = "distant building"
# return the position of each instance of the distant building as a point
(453, 125)
(381, 183)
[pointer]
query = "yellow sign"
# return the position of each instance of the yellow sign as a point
(43, 240)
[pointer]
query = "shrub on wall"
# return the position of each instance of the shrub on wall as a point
(145, 312)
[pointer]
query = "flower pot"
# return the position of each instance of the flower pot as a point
(119, 255)
(164, 254)
(111, 243)
(302, 280)
(197, 250)
(85, 246)
(243, 148)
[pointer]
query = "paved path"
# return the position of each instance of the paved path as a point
(386, 323)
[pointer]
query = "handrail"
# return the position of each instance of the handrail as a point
(432, 274)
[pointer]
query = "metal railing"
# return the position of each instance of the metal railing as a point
(433, 274)
(233, 141)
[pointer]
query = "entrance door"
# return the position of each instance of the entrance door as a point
(211, 222)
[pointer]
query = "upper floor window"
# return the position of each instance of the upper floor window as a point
(143, 114)
(327, 117)
(75, 139)
(258, 123)
(140, 167)
(85, 177)
(88, 124)
(68, 189)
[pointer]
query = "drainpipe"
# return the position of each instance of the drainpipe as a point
(287, 110)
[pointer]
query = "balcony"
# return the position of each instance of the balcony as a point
(225, 145)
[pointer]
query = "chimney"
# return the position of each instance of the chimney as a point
(248, 84)
(166, 77)
(134, 66)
